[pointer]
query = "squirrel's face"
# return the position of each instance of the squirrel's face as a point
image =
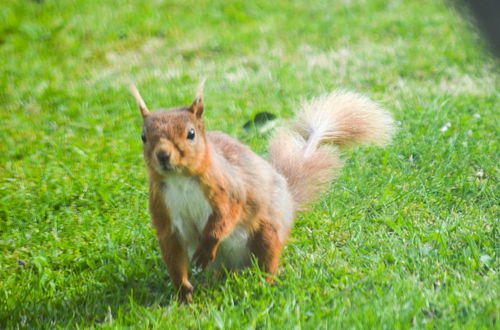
(174, 139)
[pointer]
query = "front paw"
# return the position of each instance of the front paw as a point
(203, 256)
(185, 293)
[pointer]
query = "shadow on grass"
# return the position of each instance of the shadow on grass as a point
(95, 301)
(101, 298)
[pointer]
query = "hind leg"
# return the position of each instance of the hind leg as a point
(266, 247)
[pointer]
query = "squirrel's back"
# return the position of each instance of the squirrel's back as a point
(266, 190)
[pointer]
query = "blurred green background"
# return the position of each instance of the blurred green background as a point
(407, 236)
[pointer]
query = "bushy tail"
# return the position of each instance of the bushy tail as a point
(306, 152)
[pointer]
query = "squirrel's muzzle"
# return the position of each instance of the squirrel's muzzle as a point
(163, 160)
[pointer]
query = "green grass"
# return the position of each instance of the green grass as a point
(408, 236)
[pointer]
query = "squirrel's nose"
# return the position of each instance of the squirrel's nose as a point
(163, 157)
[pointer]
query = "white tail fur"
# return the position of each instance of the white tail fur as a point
(305, 152)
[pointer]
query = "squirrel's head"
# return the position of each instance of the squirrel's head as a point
(174, 139)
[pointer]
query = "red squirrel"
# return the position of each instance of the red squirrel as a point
(214, 202)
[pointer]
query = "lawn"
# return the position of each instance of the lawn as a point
(407, 237)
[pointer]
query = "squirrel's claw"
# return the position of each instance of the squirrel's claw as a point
(202, 258)
(185, 293)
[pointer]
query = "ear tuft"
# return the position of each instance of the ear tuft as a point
(199, 89)
(197, 106)
(140, 101)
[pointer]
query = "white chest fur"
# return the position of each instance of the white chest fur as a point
(189, 211)
(188, 207)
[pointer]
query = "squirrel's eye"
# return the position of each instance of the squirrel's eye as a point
(190, 134)
(143, 137)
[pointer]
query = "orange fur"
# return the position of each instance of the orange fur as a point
(215, 202)
(173, 253)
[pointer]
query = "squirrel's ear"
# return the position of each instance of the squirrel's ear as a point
(140, 101)
(197, 106)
